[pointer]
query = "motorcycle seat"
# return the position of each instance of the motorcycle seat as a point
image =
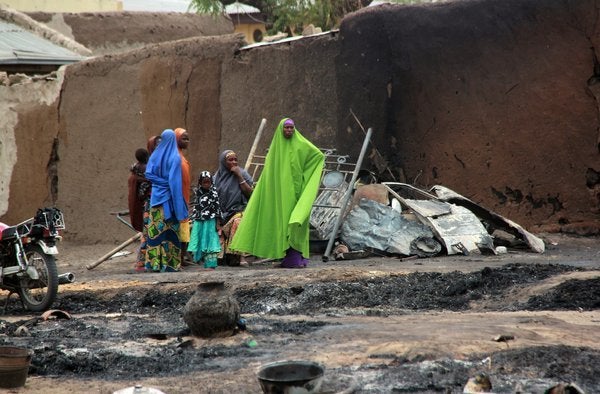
(7, 232)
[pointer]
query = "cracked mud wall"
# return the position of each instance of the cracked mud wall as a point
(27, 135)
(122, 31)
(486, 97)
(494, 99)
(111, 105)
(295, 79)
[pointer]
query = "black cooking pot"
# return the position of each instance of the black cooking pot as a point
(291, 377)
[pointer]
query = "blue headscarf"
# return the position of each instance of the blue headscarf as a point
(164, 171)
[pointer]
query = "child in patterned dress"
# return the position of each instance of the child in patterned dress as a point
(204, 239)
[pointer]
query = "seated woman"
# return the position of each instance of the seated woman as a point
(234, 186)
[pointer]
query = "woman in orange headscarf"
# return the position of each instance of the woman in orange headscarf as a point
(183, 141)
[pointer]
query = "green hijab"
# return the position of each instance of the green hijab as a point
(278, 212)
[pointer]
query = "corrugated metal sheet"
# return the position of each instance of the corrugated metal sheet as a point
(19, 46)
(457, 227)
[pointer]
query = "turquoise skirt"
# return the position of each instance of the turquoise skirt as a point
(204, 242)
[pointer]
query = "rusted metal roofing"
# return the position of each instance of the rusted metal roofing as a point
(19, 46)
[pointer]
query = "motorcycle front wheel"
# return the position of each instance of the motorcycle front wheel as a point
(39, 294)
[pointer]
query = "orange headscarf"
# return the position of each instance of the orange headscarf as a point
(185, 168)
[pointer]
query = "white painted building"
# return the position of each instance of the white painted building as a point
(156, 5)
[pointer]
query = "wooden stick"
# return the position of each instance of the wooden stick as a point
(115, 250)
(250, 158)
(375, 149)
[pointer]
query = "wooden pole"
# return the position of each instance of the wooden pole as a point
(261, 127)
(115, 250)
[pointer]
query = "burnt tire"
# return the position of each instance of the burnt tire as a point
(39, 294)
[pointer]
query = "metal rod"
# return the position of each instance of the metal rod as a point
(120, 215)
(261, 127)
(125, 222)
(338, 219)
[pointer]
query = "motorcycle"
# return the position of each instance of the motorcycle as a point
(27, 262)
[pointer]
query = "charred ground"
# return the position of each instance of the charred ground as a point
(134, 331)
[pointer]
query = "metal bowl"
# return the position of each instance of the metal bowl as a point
(291, 377)
(333, 179)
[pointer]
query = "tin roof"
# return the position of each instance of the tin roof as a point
(19, 46)
(240, 8)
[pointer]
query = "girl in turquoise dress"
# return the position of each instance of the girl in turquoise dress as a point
(204, 239)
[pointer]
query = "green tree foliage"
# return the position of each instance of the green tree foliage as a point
(212, 7)
(290, 15)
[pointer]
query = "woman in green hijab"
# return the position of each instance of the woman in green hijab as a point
(276, 220)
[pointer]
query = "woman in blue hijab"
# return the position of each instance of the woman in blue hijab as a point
(167, 206)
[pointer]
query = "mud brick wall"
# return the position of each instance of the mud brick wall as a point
(489, 97)
(28, 142)
(496, 99)
(295, 79)
(110, 32)
(110, 106)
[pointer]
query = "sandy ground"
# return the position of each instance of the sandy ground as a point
(349, 342)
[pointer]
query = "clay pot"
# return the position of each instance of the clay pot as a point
(212, 311)
(14, 366)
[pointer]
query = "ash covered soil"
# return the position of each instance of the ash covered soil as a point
(378, 325)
